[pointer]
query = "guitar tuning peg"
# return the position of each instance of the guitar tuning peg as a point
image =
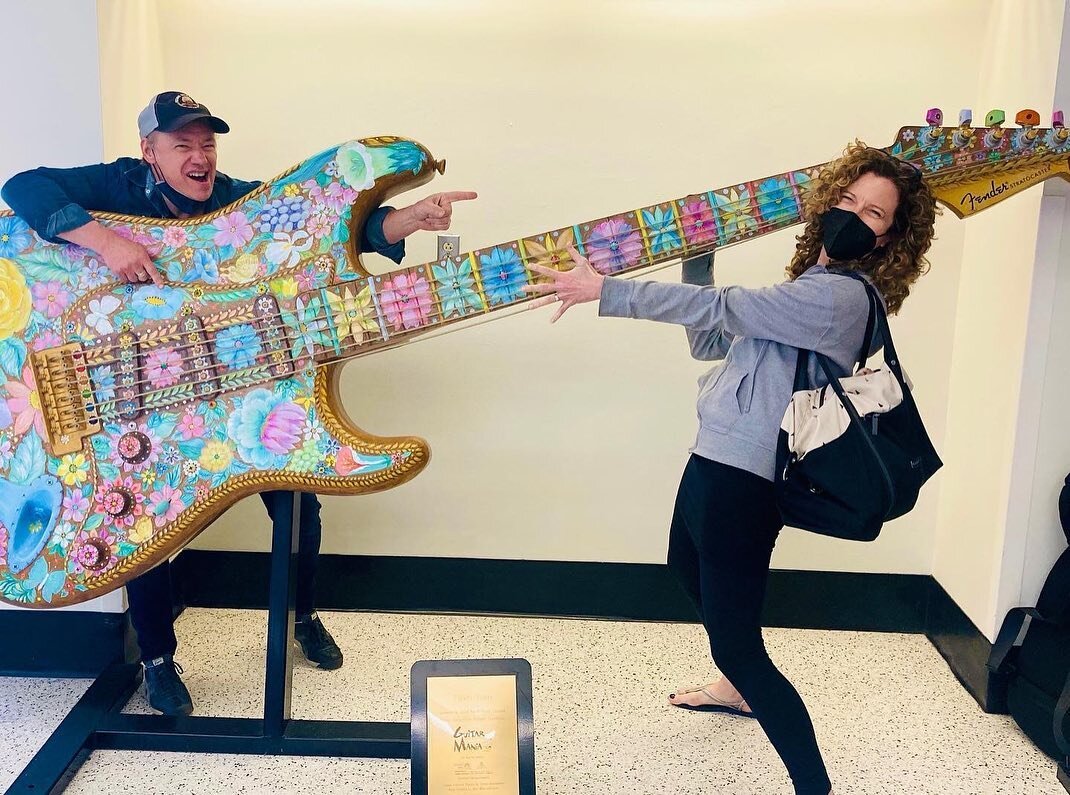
(934, 117)
(1027, 119)
(963, 136)
(994, 135)
(1058, 135)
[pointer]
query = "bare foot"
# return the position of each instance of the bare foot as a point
(719, 692)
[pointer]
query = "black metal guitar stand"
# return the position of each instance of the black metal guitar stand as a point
(96, 721)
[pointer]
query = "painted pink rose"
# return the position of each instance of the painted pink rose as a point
(174, 236)
(163, 367)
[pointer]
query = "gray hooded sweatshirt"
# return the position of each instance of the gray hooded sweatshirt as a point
(757, 332)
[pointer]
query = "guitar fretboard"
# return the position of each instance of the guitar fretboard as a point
(336, 319)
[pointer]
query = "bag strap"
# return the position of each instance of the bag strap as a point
(891, 358)
(875, 306)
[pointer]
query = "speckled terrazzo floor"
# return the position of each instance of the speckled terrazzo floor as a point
(890, 716)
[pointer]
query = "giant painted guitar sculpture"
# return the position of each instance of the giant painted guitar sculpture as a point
(132, 416)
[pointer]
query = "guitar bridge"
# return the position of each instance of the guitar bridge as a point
(68, 404)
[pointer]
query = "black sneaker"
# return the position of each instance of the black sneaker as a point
(165, 691)
(316, 643)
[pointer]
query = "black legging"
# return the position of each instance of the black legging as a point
(724, 527)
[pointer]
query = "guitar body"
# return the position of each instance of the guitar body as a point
(131, 416)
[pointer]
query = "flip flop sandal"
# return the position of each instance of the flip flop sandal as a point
(727, 707)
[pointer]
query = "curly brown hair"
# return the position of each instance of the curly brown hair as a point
(894, 267)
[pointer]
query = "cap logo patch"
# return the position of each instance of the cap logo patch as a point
(185, 101)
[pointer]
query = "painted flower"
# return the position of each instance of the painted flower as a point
(215, 456)
(234, 230)
(285, 287)
(47, 339)
(73, 469)
(164, 505)
(699, 226)
(320, 225)
(14, 236)
(100, 311)
(157, 303)
(310, 322)
(243, 269)
(305, 457)
(93, 274)
(938, 161)
(141, 531)
(352, 313)
(75, 506)
(287, 248)
(661, 230)
(286, 215)
(776, 201)
(200, 491)
(50, 298)
(205, 268)
(15, 299)
(734, 210)
(94, 551)
(614, 246)
(24, 403)
(456, 287)
(190, 426)
(103, 379)
(307, 278)
(170, 456)
(265, 428)
(7, 446)
(354, 165)
(163, 367)
(503, 275)
(551, 252)
(406, 301)
(3, 544)
(174, 236)
(127, 490)
(237, 346)
(123, 443)
(337, 197)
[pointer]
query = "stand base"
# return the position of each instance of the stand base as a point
(96, 723)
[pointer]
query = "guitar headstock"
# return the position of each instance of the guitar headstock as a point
(972, 168)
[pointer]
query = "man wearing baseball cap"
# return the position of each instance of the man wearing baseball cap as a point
(176, 177)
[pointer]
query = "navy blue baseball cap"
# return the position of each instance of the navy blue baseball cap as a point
(168, 111)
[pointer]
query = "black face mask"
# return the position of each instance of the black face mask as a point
(182, 202)
(845, 236)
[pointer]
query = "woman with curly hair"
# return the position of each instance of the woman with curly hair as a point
(866, 212)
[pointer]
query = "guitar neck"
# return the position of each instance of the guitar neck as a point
(414, 300)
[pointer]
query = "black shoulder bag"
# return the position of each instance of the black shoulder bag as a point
(872, 472)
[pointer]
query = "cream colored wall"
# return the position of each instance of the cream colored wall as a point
(566, 442)
(986, 374)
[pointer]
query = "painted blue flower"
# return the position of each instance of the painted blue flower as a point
(503, 275)
(456, 287)
(776, 200)
(237, 346)
(286, 214)
(157, 303)
(205, 268)
(14, 236)
(103, 378)
(661, 228)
